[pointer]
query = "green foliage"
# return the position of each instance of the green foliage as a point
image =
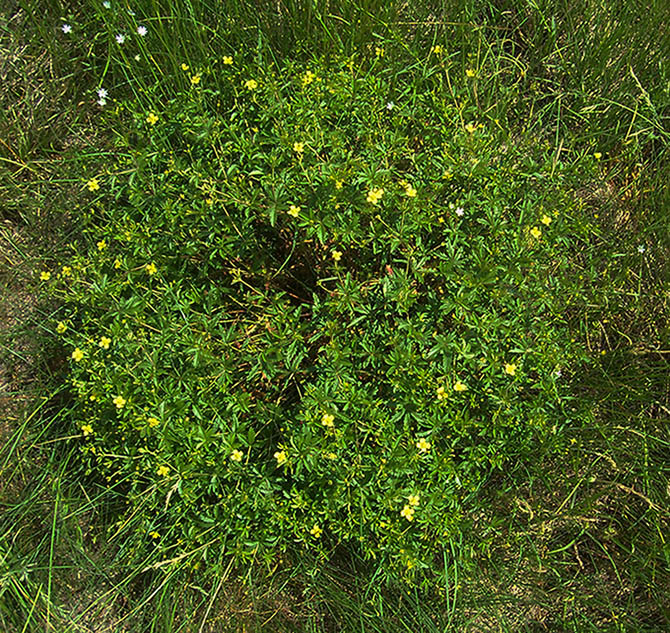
(310, 314)
(260, 318)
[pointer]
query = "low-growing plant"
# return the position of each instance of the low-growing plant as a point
(309, 308)
(534, 520)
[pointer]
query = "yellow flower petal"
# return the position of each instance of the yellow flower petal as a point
(510, 368)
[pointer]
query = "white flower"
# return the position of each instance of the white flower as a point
(102, 93)
(390, 105)
(640, 249)
(142, 30)
(137, 58)
(459, 211)
(120, 38)
(106, 4)
(558, 373)
(101, 102)
(66, 28)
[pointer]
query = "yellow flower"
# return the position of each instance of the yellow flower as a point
(117, 263)
(87, 429)
(339, 184)
(227, 60)
(154, 534)
(251, 84)
(459, 386)
(470, 72)
(308, 78)
(77, 355)
(153, 422)
(104, 342)
(375, 194)
(294, 211)
(546, 220)
(410, 191)
(281, 457)
(423, 445)
(536, 233)
(441, 393)
(470, 127)
(184, 67)
(66, 271)
(328, 420)
(597, 155)
(61, 327)
(379, 51)
(298, 147)
(102, 245)
(151, 268)
(237, 455)
(413, 500)
(437, 49)
(510, 368)
(93, 184)
(331, 455)
(163, 471)
(45, 275)
(152, 119)
(195, 79)
(119, 401)
(407, 512)
(316, 531)
(337, 255)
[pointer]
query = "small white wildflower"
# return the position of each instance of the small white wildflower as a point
(120, 38)
(66, 28)
(101, 102)
(459, 211)
(390, 105)
(106, 4)
(102, 93)
(640, 249)
(142, 31)
(137, 58)
(558, 373)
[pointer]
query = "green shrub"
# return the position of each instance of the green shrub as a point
(319, 305)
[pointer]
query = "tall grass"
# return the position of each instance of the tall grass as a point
(583, 546)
